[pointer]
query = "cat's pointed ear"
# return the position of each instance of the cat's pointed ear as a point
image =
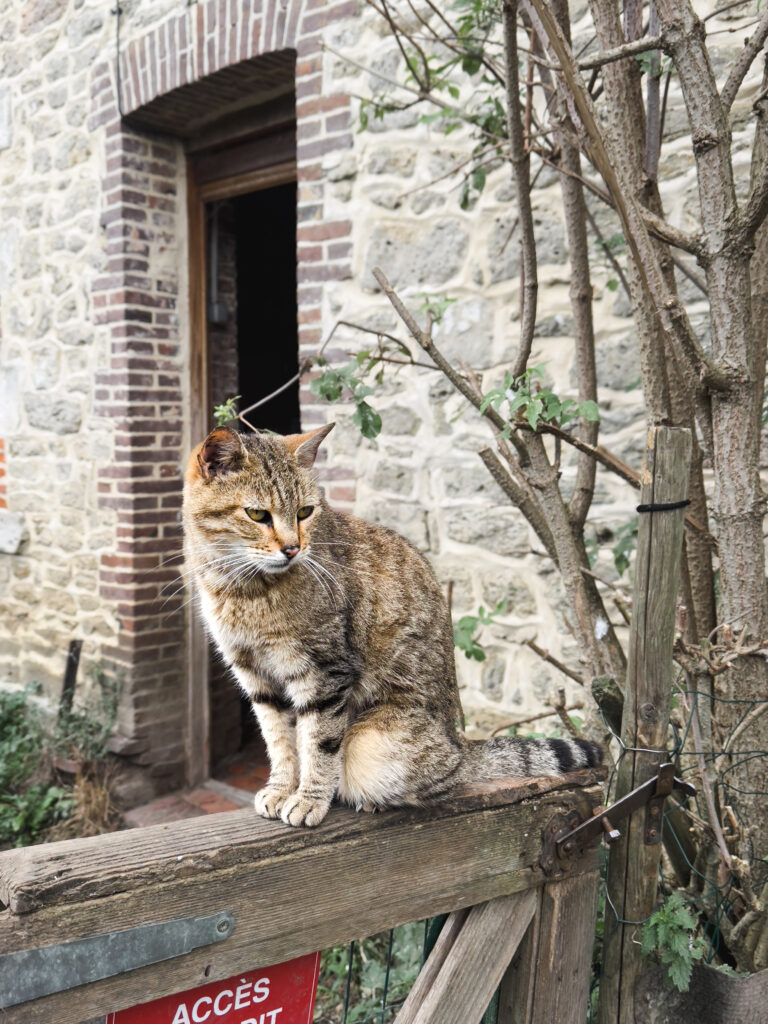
(221, 452)
(304, 446)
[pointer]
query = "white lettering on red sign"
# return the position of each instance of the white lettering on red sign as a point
(283, 994)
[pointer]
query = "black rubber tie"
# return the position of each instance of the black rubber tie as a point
(664, 506)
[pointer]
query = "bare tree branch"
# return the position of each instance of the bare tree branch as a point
(521, 166)
(739, 70)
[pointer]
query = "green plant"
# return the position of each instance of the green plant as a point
(82, 731)
(366, 973)
(527, 400)
(27, 804)
(669, 934)
(226, 411)
(626, 542)
(464, 631)
(332, 383)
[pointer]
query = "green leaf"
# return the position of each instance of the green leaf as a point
(679, 973)
(612, 284)
(533, 412)
(368, 420)
(471, 64)
(478, 179)
(589, 411)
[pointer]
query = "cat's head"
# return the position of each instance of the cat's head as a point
(251, 501)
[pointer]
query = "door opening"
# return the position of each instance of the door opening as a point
(252, 352)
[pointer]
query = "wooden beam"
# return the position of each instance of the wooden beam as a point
(474, 965)
(198, 657)
(632, 877)
(430, 972)
(291, 891)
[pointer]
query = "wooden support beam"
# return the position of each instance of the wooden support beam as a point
(548, 980)
(291, 891)
(473, 967)
(632, 865)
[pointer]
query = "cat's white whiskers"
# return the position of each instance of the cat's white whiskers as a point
(306, 562)
(351, 568)
(330, 575)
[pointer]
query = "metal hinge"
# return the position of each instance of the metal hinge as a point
(32, 973)
(566, 836)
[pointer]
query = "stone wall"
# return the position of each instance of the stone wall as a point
(94, 335)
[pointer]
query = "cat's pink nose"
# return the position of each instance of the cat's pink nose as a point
(290, 550)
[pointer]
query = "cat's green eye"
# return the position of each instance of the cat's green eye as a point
(258, 515)
(306, 512)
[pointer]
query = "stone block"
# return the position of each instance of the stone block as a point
(400, 162)
(409, 256)
(59, 415)
(466, 333)
(6, 120)
(492, 674)
(393, 476)
(618, 361)
(499, 531)
(406, 518)
(399, 420)
(469, 482)
(11, 532)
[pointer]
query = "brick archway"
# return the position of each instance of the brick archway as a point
(140, 303)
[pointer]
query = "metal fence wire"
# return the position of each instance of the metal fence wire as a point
(367, 981)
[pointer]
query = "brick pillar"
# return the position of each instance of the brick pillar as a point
(141, 393)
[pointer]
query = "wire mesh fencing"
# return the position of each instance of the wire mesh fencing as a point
(368, 980)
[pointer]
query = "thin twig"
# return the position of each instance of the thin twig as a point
(552, 660)
(534, 718)
(743, 63)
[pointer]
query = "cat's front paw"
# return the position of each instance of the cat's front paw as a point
(269, 801)
(301, 810)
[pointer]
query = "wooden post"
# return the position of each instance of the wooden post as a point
(633, 866)
(548, 980)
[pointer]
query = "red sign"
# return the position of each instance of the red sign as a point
(283, 994)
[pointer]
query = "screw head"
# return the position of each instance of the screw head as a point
(222, 926)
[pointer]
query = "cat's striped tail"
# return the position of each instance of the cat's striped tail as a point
(523, 758)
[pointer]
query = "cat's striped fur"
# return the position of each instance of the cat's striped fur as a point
(339, 633)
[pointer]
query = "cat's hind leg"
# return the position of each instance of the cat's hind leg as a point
(393, 758)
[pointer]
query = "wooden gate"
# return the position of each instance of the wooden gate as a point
(286, 892)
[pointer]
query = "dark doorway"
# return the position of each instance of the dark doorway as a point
(253, 351)
(267, 333)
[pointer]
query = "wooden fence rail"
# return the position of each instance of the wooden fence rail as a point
(294, 891)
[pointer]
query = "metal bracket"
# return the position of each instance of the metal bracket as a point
(32, 973)
(567, 835)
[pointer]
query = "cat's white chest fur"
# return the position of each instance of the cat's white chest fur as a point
(275, 652)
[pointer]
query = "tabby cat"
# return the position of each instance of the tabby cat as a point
(339, 634)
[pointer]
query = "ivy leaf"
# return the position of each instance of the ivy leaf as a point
(368, 420)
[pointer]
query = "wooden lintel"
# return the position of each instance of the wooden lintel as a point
(291, 891)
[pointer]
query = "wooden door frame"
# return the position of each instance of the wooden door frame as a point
(198, 676)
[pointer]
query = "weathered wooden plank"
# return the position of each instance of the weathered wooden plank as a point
(475, 963)
(633, 866)
(564, 954)
(290, 891)
(429, 972)
(77, 869)
(548, 979)
(518, 986)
